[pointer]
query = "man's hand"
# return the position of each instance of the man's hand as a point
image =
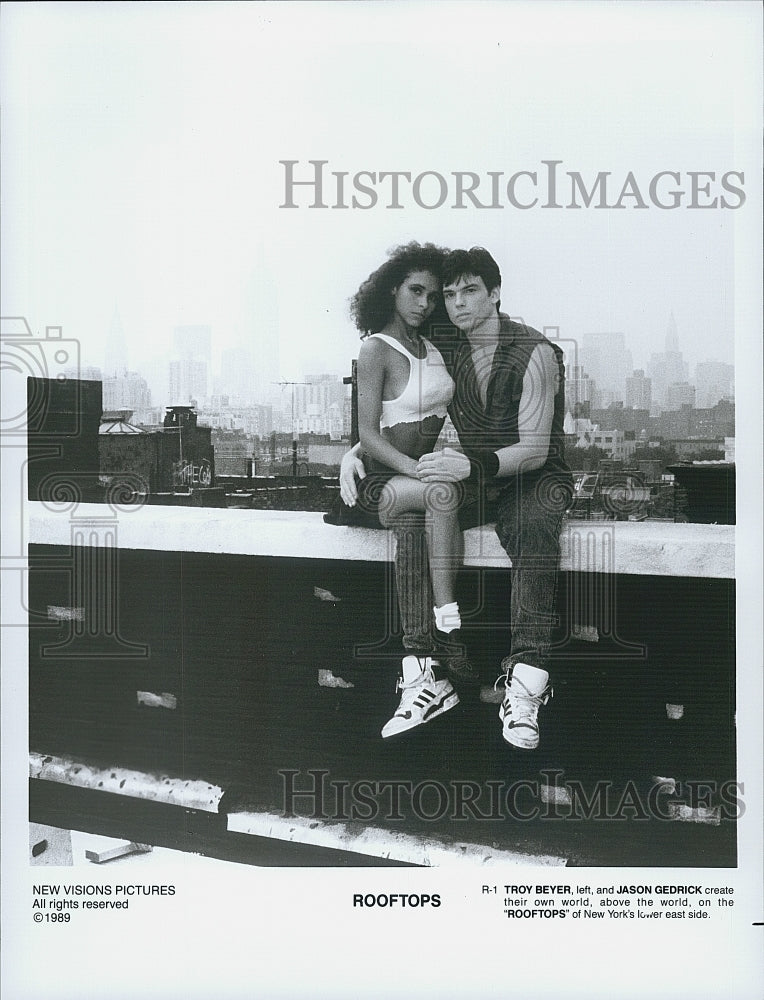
(447, 466)
(351, 472)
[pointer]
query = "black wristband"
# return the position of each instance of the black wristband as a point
(483, 465)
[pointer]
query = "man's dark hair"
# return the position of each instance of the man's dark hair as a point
(477, 262)
(372, 305)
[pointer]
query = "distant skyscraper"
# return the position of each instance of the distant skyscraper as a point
(607, 360)
(258, 420)
(667, 368)
(116, 348)
(88, 373)
(319, 405)
(237, 375)
(156, 371)
(188, 370)
(638, 391)
(579, 389)
(188, 381)
(714, 380)
(680, 394)
(130, 392)
(193, 343)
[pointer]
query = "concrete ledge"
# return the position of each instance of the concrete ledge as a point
(121, 781)
(380, 843)
(646, 548)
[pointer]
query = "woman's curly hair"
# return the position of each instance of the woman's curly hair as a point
(372, 305)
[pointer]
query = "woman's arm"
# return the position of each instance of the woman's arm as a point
(372, 369)
(351, 472)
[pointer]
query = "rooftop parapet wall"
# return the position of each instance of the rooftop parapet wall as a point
(225, 655)
(646, 548)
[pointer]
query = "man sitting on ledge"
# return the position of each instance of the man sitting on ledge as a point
(508, 410)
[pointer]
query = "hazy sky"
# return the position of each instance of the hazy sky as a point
(141, 145)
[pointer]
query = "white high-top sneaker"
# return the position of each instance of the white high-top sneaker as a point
(527, 689)
(423, 698)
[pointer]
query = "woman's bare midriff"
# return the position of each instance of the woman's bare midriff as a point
(413, 439)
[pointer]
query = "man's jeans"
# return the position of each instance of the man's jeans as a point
(528, 516)
(412, 579)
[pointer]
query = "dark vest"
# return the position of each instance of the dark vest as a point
(495, 425)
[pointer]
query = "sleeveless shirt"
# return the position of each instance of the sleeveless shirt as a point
(428, 391)
(493, 424)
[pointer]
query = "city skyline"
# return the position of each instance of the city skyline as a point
(102, 354)
(321, 403)
(236, 374)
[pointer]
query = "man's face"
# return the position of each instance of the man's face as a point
(469, 303)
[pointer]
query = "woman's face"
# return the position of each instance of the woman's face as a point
(416, 296)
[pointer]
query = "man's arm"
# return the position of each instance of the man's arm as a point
(534, 418)
(540, 386)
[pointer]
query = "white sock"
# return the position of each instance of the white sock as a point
(447, 618)
(533, 678)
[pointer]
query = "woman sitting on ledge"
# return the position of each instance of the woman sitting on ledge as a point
(404, 390)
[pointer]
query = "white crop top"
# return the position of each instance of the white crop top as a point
(428, 391)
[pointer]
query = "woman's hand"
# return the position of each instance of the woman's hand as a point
(352, 472)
